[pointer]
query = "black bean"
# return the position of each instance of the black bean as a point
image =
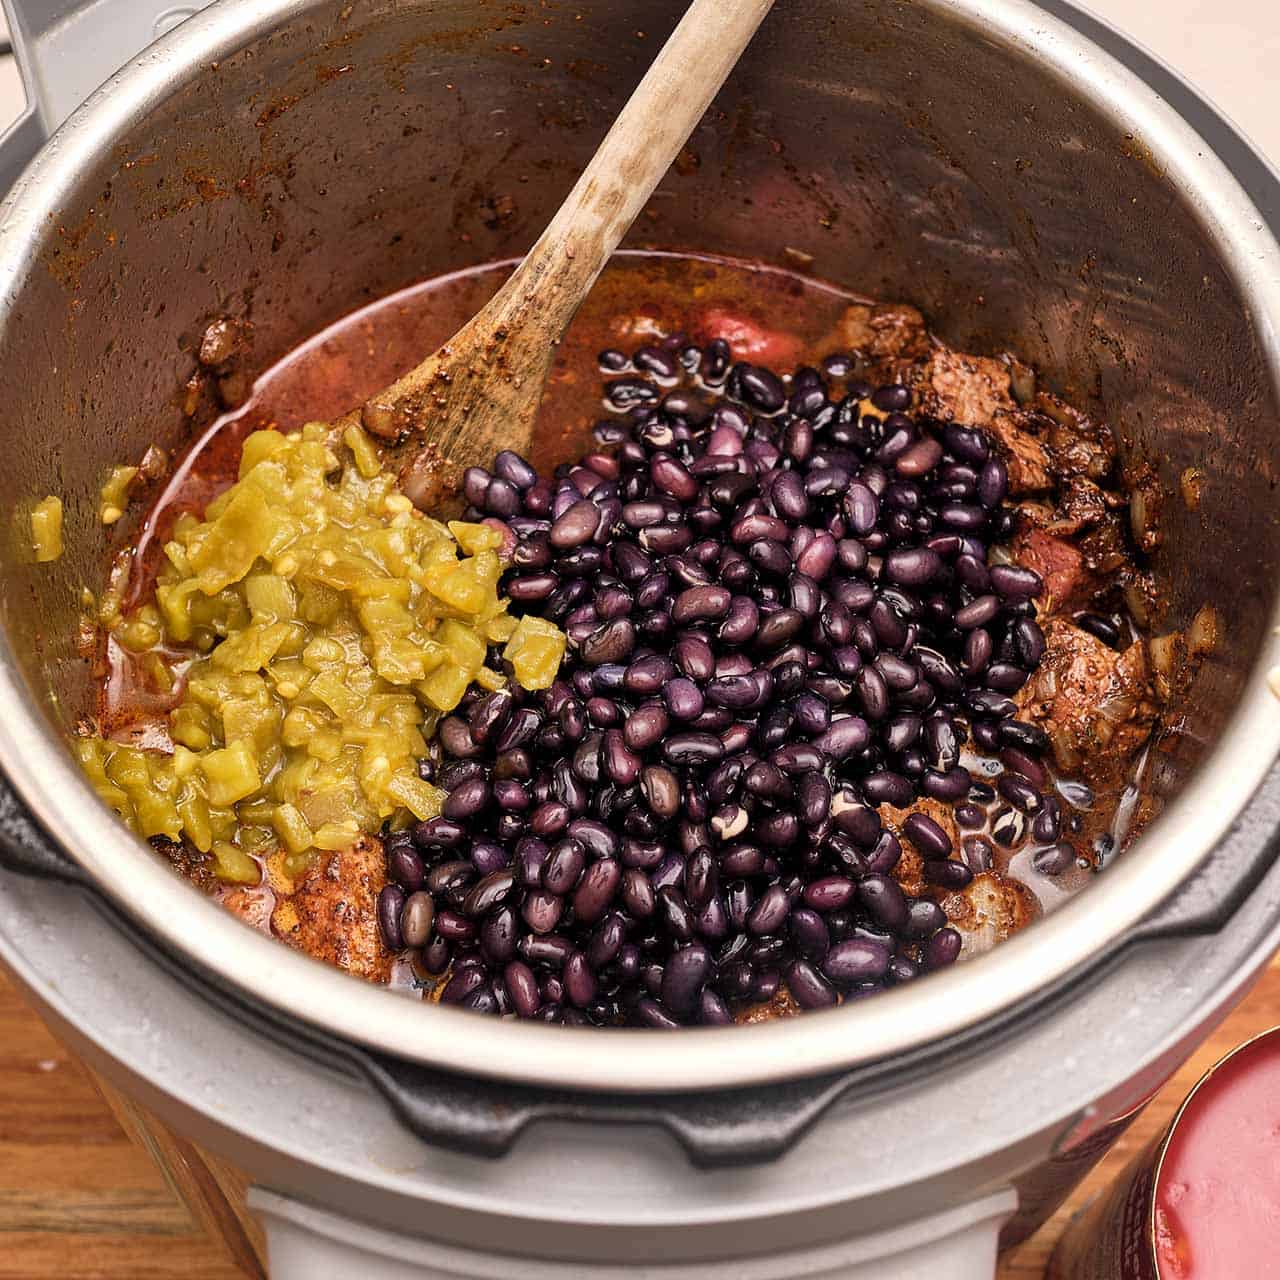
(993, 482)
(692, 748)
(924, 917)
(674, 913)
(417, 918)
(789, 498)
(648, 674)
(514, 469)
(580, 984)
(622, 393)
(530, 854)
(892, 398)
(606, 941)
(596, 889)
(462, 984)
(808, 987)
(542, 910)
(898, 674)
(914, 567)
(611, 642)
(987, 702)
(1046, 826)
(563, 866)
(577, 525)
(942, 949)
(694, 657)
(890, 630)
(700, 604)
(549, 818)
(550, 950)
(436, 955)
(966, 443)
(873, 693)
(927, 835)
(637, 893)
(846, 736)
(830, 893)
(770, 911)
(501, 498)
(683, 698)
(947, 787)
(454, 927)
(938, 670)
(653, 591)
(1008, 828)
(977, 613)
(652, 1014)
(1019, 792)
(466, 800)
(1019, 734)
(390, 908)
(1103, 628)
(700, 878)
(455, 736)
(1013, 582)
(645, 727)
(856, 960)
(620, 762)
(881, 895)
(1054, 860)
(661, 790)
(498, 937)
(770, 556)
(522, 988)
(947, 874)
(778, 629)
(919, 459)
(758, 526)
(405, 867)
(1029, 641)
(809, 932)
(684, 976)
(759, 387)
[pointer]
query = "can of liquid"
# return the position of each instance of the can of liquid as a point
(1202, 1200)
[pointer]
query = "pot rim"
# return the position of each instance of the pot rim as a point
(46, 777)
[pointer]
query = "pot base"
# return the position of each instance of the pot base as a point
(306, 1243)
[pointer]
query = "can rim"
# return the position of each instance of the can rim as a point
(1172, 1127)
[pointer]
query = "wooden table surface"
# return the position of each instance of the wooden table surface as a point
(78, 1200)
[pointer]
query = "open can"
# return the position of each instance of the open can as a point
(1202, 1200)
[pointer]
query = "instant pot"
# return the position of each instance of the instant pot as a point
(1022, 173)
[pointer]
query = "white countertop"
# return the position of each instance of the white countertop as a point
(1228, 48)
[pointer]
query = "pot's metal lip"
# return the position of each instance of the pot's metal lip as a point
(45, 776)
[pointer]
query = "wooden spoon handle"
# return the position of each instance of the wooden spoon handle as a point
(480, 392)
(633, 158)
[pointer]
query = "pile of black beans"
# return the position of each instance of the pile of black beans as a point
(782, 613)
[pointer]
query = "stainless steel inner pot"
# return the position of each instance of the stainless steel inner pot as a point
(286, 161)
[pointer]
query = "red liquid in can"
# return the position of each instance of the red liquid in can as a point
(1217, 1195)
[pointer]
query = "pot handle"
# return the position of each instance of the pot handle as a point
(64, 52)
(24, 846)
(715, 1130)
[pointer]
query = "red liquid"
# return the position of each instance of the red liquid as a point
(1218, 1195)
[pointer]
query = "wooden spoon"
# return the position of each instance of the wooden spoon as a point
(479, 393)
